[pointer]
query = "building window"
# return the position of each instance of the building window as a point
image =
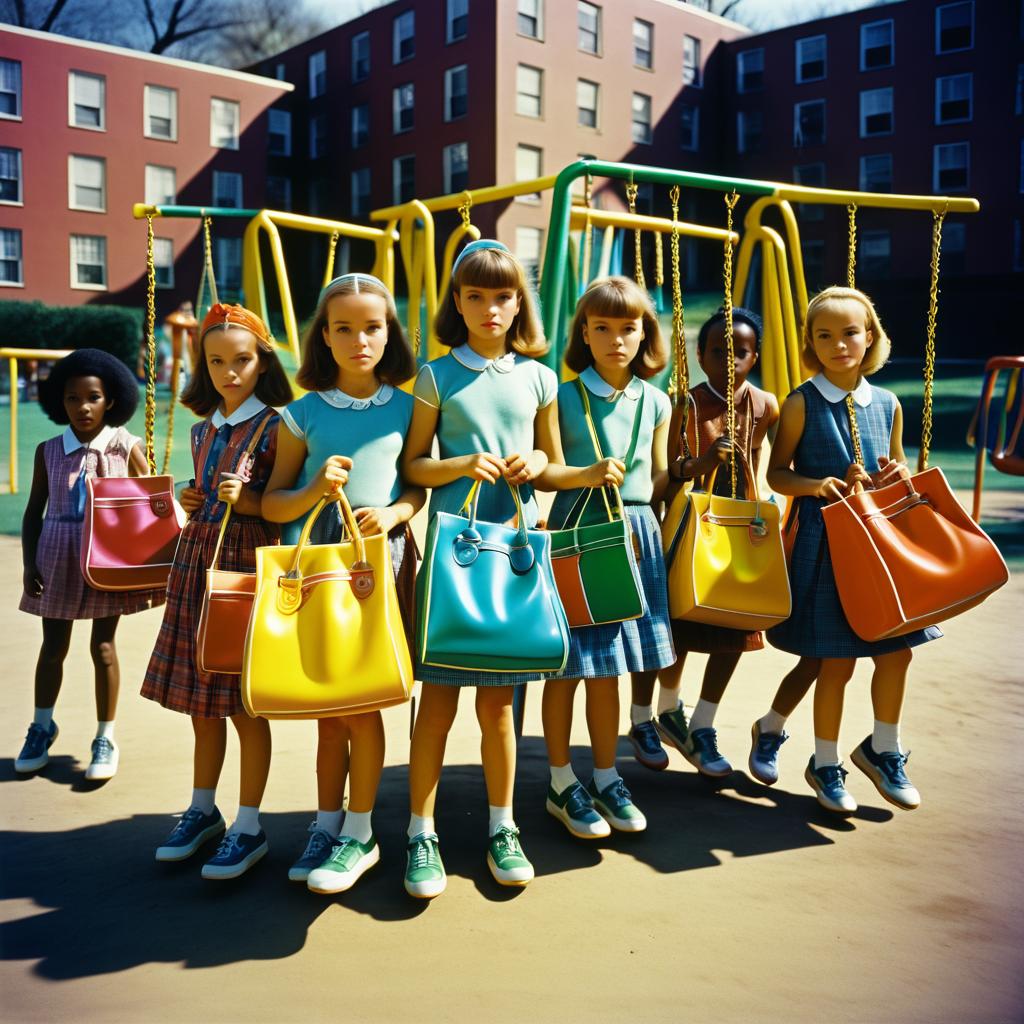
(10, 256)
(586, 103)
(457, 20)
(360, 125)
(456, 92)
(87, 186)
(954, 27)
(691, 61)
(163, 259)
(813, 252)
(528, 18)
(954, 247)
(952, 167)
(588, 27)
(317, 136)
(529, 90)
(10, 97)
(279, 137)
(750, 71)
(809, 123)
(227, 189)
(360, 56)
(161, 113)
(876, 116)
(810, 59)
(403, 107)
(224, 124)
(361, 191)
(10, 176)
(643, 44)
(86, 100)
(228, 261)
(689, 127)
(403, 178)
(749, 131)
(455, 159)
(877, 45)
(89, 262)
(317, 74)
(876, 173)
(874, 258)
(528, 244)
(403, 37)
(641, 117)
(954, 95)
(528, 168)
(279, 192)
(161, 185)
(811, 176)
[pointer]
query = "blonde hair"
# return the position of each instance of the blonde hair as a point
(827, 301)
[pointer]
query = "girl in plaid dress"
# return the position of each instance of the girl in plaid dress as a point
(813, 461)
(94, 394)
(237, 380)
(615, 342)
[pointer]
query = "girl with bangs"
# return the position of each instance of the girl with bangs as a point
(615, 346)
(491, 408)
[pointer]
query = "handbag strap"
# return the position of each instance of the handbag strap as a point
(469, 509)
(349, 520)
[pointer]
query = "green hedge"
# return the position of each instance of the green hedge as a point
(115, 329)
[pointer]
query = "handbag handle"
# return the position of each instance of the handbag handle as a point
(348, 518)
(469, 542)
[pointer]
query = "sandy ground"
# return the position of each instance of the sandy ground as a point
(739, 903)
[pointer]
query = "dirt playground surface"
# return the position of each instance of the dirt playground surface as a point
(740, 903)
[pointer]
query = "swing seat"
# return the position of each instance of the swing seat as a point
(996, 431)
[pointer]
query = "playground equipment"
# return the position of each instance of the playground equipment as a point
(997, 427)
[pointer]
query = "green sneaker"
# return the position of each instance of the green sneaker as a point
(616, 806)
(575, 810)
(347, 862)
(506, 859)
(673, 727)
(424, 872)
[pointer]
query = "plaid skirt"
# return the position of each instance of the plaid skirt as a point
(639, 645)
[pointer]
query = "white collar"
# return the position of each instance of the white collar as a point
(98, 443)
(722, 397)
(340, 400)
(831, 393)
(249, 408)
(472, 360)
(597, 385)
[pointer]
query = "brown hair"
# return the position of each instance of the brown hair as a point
(319, 371)
(492, 268)
(272, 385)
(828, 300)
(618, 297)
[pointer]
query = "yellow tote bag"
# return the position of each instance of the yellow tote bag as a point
(726, 565)
(326, 635)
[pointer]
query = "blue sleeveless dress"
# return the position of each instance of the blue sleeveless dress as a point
(818, 628)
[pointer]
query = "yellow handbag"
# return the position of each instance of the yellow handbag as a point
(326, 635)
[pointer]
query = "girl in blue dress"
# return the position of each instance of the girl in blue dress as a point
(812, 460)
(491, 407)
(349, 430)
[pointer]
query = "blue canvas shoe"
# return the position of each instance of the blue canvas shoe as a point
(672, 726)
(105, 757)
(647, 748)
(886, 771)
(35, 751)
(827, 783)
(701, 750)
(317, 848)
(238, 851)
(575, 810)
(193, 829)
(615, 804)
(764, 754)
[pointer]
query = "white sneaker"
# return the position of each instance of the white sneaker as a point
(105, 756)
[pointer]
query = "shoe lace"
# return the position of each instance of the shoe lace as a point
(892, 763)
(707, 744)
(102, 749)
(648, 737)
(423, 853)
(579, 801)
(768, 743)
(619, 793)
(342, 845)
(832, 775)
(192, 815)
(319, 841)
(227, 845)
(507, 840)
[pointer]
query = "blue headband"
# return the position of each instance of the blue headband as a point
(478, 246)
(353, 277)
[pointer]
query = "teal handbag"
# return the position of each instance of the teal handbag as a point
(485, 597)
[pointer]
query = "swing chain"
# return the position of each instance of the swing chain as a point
(332, 247)
(938, 216)
(730, 202)
(416, 339)
(150, 344)
(464, 207)
(851, 251)
(659, 261)
(170, 420)
(207, 265)
(851, 411)
(679, 383)
(638, 271)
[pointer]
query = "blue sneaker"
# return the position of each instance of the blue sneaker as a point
(575, 810)
(886, 772)
(193, 829)
(105, 757)
(827, 783)
(35, 751)
(315, 853)
(615, 804)
(647, 748)
(701, 750)
(238, 851)
(764, 754)
(672, 726)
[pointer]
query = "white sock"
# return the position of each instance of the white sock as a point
(562, 777)
(203, 799)
(825, 752)
(499, 816)
(105, 730)
(357, 825)
(604, 777)
(668, 700)
(703, 716)
(248, 821)
(43, 717)
(418, 825)
(640, 713)
(329, 821)
(885, 737)
(773, 722)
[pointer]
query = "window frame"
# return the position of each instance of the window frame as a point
(862, 175)
(16, 93)
(396, 193)
(531, 267)
(446, 167)
(694, 130)
(799, 63)
(597, 104)
(598, 31)
(215, 193)
(449, 92)
(222, 243)
(157, 241)
(357, 210)
(287, 204)
(649, 66)
(863, 116)
(147, 112)
(539, 35)
(939, 52)
(286, 135)
(741, 72)
(357, 40)
(397, 40)
(147, 193)
(354, 141)
(532, 198)
(810, 212)
(939, 120)
(316, 120)
(19, 260)
(73, 74)
(649, 133)
(450, 19)
(865, 238)
(19, 178)
(317, 76)
(72, 184)
(799, 143)
(77, 285)
(697, 68)
(741, 116)
(936, 187)
(892, 44)
(228, 104)
(540, 93)
(397, 110)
